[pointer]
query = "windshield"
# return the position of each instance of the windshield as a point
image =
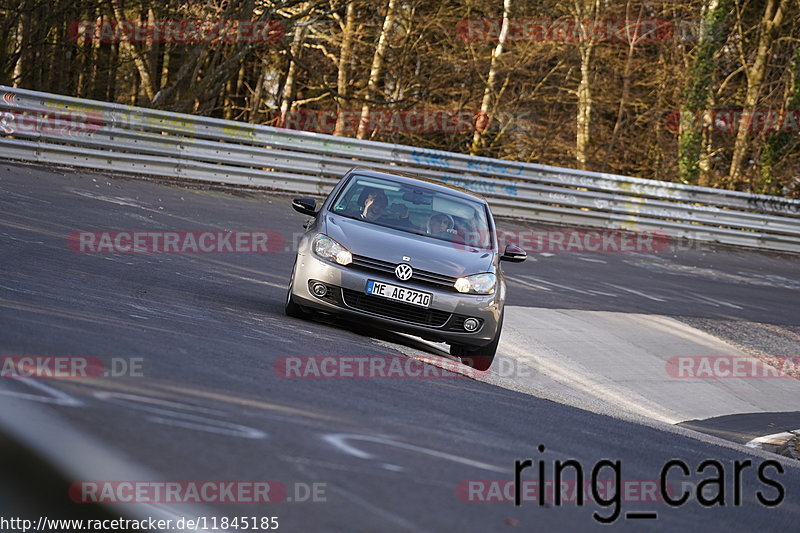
(415, 209)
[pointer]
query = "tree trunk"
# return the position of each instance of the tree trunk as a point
(139, 59)
(102, 65)
(56, 82)
(22, 66)
(633, 39)
(287, 96)
(258, 94)
(342, 77)
(770, 22)
(697, 94)
(584, 115)
(779, 144)
(377, 66)
(488, 91)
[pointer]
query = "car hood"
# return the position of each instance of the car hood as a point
(387, 244)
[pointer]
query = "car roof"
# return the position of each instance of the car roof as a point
(402, 177)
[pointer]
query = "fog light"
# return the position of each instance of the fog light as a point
(319, 289)
(471, 324)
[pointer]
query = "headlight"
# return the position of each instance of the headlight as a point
(477, 284)
(327, 248)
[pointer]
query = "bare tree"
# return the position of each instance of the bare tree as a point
(345, 53)
(489, 89)
(781, 144)
(770, 23)
(377, 66)
(633, 37)
(288, 95)
(586, 11)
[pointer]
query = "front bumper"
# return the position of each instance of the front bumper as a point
(442, 322)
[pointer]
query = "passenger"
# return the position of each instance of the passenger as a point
(441, 225)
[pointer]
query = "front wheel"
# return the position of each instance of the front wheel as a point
(480, 358)
(291, 308)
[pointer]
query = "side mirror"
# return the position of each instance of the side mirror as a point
(514, 254)
(306, 206)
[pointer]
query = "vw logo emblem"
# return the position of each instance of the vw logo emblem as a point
(403, 272)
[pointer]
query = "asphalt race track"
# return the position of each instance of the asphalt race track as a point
(386, 454)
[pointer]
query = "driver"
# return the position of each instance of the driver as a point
(373, 203)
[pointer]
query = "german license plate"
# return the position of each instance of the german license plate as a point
(400, 294)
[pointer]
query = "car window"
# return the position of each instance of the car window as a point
(414, 209)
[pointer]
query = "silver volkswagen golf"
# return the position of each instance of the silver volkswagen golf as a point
(407, 254)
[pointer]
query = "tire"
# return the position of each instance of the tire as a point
(480, 358)
(291, 308)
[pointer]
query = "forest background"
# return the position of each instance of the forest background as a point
(703, 92)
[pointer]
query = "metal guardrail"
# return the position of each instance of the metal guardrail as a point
(48, 128)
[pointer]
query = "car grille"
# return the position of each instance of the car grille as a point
(396, 310)
(420, 276)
